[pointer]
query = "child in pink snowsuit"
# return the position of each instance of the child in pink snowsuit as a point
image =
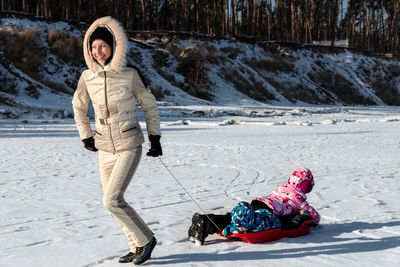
(290, 198)
(288, 202)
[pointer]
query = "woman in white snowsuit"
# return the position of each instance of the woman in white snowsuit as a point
(113, 88)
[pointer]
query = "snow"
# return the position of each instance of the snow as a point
(229, 61)
(342, 43)
(15, 24)
(51, 211)
(223, 151)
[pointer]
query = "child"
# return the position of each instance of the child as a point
(288, 202)
(245, 220)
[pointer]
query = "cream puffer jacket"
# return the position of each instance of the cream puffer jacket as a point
(113, 90)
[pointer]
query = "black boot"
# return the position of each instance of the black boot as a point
(128, 257)
(192, 231)
(144, 253)
(202, 226)
(196, 229)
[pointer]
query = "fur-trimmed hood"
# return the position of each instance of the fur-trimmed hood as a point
(118, 61)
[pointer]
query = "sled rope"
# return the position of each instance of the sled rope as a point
(184, 189)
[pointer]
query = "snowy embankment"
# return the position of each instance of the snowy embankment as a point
(51, 211)
(190, 72)
(51, 85)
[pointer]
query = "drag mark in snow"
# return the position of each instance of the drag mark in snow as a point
(232, 183)
(101, 261)
(244, 184)
(86, 219)
(229, 249)
(255, 183)
(46, 242)
(166, 205)
(38, 243)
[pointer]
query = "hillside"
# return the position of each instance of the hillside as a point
(40, 64)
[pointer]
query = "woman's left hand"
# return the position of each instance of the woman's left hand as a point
(155, 148)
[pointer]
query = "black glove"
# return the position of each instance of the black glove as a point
(305, 215)
(155, 147)
(89, 144)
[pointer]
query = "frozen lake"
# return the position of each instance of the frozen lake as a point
(51, 211)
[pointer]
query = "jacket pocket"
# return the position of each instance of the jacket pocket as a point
(102, 139)
(130, 130)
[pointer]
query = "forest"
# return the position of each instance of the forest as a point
(371, 25)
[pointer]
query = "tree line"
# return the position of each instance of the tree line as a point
(366, 24)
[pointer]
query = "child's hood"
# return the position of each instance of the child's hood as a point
(302, 179)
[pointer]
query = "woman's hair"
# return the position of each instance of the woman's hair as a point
(104, 34)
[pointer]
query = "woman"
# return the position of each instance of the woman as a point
(113, 88)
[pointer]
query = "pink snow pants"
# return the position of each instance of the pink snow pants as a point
(116, 172)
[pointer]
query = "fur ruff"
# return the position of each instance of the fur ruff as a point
(118, 61)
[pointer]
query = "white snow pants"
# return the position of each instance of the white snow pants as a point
(116, 172)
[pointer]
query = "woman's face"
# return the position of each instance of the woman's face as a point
(101, 51)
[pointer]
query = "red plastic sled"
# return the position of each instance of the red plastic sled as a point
(273, 234)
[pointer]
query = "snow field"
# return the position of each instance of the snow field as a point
(51, 211)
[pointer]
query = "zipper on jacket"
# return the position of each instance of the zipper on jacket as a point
(105, 95)
(108, 112)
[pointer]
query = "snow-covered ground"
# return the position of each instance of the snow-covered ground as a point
(51, 211)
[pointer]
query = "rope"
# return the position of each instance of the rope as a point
(184, 189)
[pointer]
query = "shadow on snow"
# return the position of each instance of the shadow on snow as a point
(37, 133)
(329, 233)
